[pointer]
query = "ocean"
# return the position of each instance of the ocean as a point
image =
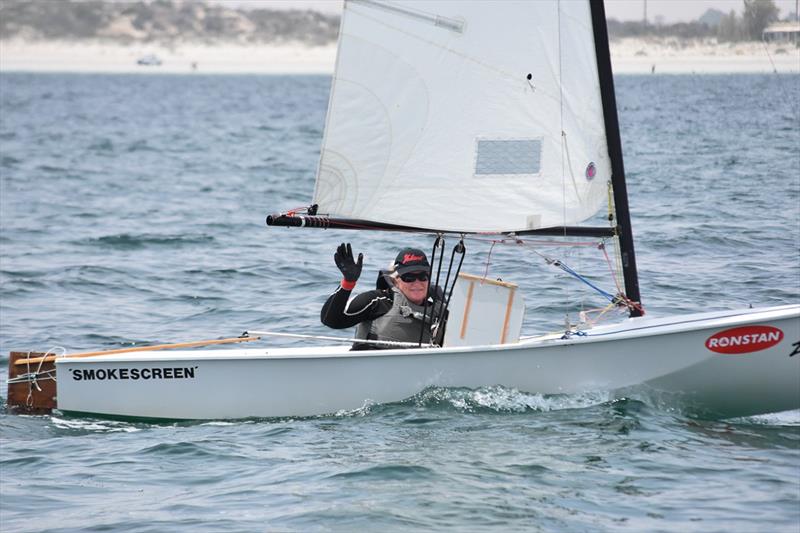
(132, 211)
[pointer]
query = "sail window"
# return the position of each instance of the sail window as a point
(508, 156)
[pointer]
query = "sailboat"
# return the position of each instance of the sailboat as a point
(457, 119)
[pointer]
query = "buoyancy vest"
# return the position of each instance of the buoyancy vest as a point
(401, 323)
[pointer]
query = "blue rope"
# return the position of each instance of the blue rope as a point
(568, 270)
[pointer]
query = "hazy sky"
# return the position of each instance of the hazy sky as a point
(680, 10)
(671, 10)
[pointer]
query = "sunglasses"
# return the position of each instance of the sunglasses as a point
(414, 276)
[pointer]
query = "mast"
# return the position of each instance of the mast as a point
(615, 153)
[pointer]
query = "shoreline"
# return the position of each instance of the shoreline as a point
(94, 57)
(675, 56)
(628, 56)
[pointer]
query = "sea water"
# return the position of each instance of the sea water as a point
(132, 211)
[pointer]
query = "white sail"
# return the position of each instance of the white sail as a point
(465, 116)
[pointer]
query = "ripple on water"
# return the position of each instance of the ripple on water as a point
(394, 472)
(133, 242)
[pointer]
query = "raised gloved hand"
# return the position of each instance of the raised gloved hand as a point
(351, 269)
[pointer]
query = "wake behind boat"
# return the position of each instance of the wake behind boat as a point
(537, 153)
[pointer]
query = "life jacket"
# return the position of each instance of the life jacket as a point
(402, 323)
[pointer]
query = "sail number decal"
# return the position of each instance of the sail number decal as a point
(744, 339)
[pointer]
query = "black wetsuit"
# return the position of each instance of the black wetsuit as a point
(367, 307)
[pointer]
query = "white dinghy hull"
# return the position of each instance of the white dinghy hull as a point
(680, 360)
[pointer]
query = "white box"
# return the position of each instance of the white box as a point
(484, 311)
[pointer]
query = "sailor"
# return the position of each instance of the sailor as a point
(401, 309)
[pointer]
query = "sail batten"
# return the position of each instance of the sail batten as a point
(436, 20)
(455, 115)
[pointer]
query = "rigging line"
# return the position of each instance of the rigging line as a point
(561, 120)
(631, 304)
(340, 339)
(614, 300)
(568, 270)
(447, 280)
(617, 254)
(29, 398)
(35, 376)
(571, 172)
(615, 240)
(547, 259)
(624, 297)
(775, 70)
(527, 244)
(766, 49)
(611, 268)
(563, 266)
(520, 241)
(47, 375)
(488, 260)
(457, 249)
(439, 242)
(602, 313)
(563, 135)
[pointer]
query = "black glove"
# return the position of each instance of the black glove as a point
(344, 260)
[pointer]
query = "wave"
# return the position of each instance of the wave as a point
(127, 241)
(8, 161)
(394, 472)
(483, 400)
(504, 400)
(82, 426)
(102, 145)
(141, 146)
(52, 169)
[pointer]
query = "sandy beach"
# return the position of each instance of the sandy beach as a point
(628, 56)
(673, 56)
(53, 56)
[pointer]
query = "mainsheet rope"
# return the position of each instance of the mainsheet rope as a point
(446, 294)
(619, 298)
(437, 244)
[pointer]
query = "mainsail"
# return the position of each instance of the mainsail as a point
(465, 116)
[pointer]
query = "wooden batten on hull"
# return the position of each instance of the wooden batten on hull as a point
(31, 388)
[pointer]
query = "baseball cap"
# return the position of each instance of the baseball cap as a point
(411, 260)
